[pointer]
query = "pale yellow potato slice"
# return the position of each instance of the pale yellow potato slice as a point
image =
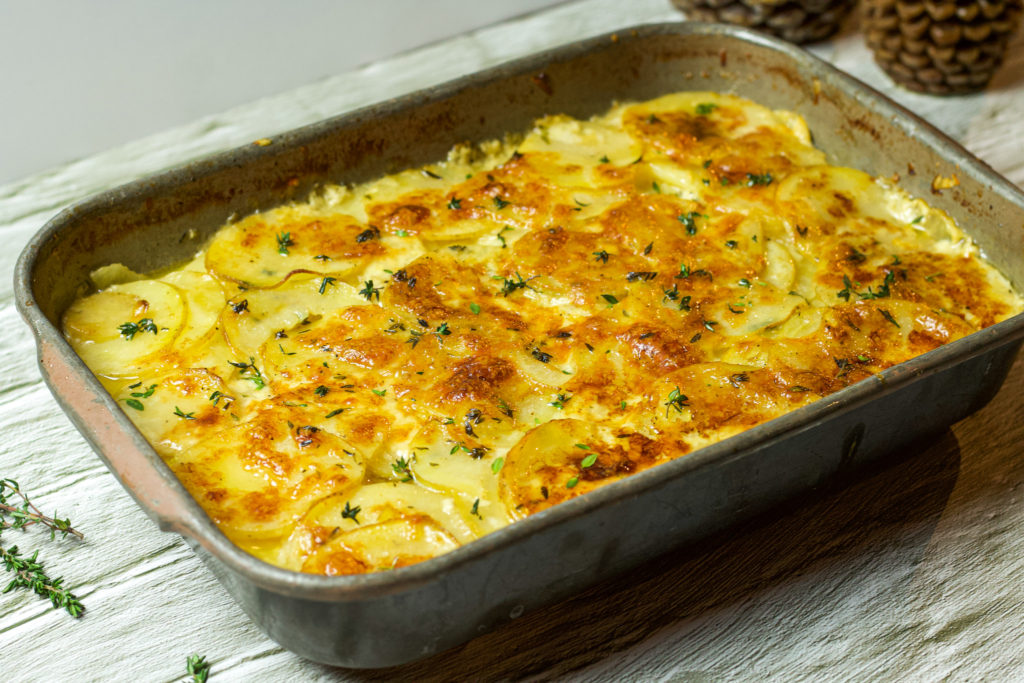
(255, 316)
(385, 501)
(742, 116)
(174, 411)
(385, 545)
(256, 479)
(118, 330)
(264, 249)
(204, 300)
(560, 460)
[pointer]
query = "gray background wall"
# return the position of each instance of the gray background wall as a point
(79, 77)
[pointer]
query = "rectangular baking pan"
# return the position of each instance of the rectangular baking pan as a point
(388, 618)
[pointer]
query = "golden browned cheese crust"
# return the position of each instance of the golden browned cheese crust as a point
(384, 373)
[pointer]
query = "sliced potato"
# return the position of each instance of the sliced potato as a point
(385, 545)
(255, 316)
(116, 331)
(256, 479)
(563, 459)
(264, 249)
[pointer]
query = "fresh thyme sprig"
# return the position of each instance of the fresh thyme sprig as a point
(26, 514)
(28, 571)
(198, 668)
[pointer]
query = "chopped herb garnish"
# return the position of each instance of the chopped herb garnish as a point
(284, 240)
(709, 325)
(217, 396)
(134, 403)
(473, 417)
(604, 159)
(743, 282)
(647, 249)
(883, 290)
(402, 468)
(847, 289)
(560, 401)
(601, 256)
(588, 461)
(351, 512)
(705, 108)
(240, 306)
(540, 355)
(379, 392)
(369, 291)
(337, 411)
(129, 330)
(888, 316)
(572, 482)
(497, 465)
(732, 244)
(501, 236)
(676, 401)
(509, 286)
(371, 233)
(455, 203)
(430, 174)
(645, 275)
(688, 221)
(500, 203)
(143, 394)
(250, 372)
(187, 416)
(611, 299)
(759, 179)
(475, 510)
(917, 220)
(321, 391)
(322, 257)
(654, 186)
(737, 378)
(475, 308)
(327, 281)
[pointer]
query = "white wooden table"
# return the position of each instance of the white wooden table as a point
(913, 573)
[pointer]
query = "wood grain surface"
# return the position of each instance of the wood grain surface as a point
(911, 571)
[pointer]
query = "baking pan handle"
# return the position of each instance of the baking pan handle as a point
(127, 455)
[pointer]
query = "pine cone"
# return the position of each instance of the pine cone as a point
(798, 21)
(940, 47)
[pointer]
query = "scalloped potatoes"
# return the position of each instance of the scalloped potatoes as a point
(384, 373)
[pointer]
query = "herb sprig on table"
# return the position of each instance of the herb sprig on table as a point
(18, 512)
(198, 668)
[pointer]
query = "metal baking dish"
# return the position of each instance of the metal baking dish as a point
(388, 618)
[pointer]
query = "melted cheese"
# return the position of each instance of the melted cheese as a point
(387, 372)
